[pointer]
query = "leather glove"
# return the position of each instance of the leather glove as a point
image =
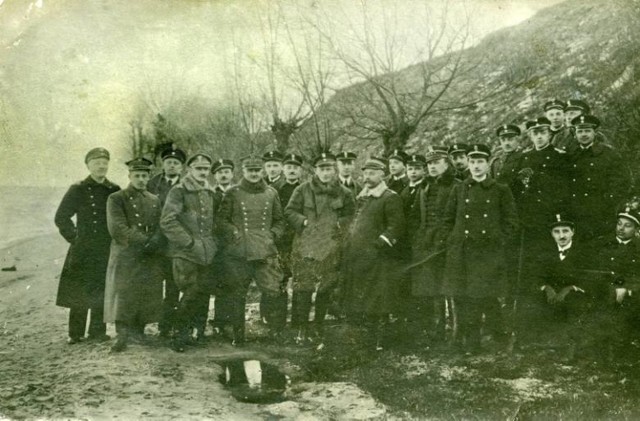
(550, 293)
(525, 174)
(381, 244)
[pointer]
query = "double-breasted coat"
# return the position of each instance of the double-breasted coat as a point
(188, 220)
(134, 275)
(429, 237)
(317, 247)
(83, 274)
(600, 183)
(370, 266)
(480, 218)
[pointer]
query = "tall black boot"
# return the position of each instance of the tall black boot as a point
(237, 319)
(122, 339)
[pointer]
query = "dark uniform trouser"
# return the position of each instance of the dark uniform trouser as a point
(78, 322)
(191, 279)
(238, 276)
(171, 297)
(470, 311)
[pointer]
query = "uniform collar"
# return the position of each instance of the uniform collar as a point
(565, 248)
(374, 192)
(486, 183)
(619, 241)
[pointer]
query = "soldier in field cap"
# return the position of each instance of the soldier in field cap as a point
(320, 211)
(133, 296)
(82, 281)
(372, 261)
(188, 220)
(251, 221)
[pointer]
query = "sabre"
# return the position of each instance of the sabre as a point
(425, 260)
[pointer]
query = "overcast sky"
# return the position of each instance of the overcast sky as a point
(72, 72)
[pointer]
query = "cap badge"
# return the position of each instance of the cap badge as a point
(558, 217)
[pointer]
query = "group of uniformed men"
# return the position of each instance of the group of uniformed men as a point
(443, 241)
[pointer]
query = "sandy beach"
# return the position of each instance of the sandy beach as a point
(43, 377)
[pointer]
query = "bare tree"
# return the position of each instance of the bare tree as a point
(389, 104)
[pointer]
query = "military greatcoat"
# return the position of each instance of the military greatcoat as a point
(83, 274)
(600, 183)
(134, 275)
(480, 218)
(328, 210)
(371, 267)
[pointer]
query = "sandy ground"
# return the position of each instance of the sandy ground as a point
(43, 377)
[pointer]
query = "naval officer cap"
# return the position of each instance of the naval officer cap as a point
(398, 155)
(199, 159)
(272, 156)
(561, 220)
(631, 212)
(176, 153)
(346, 156)
(479, 150)
(375, 163)
(251, 162)
(139, 164)
(435, 153)
(585, 122)
(458, 148)
(293, 159)
(96, 153)
(508, 130)
(538, 123)
(576, 104)
(325, 159)
(417, 160)
(222, 164)
(554, 104)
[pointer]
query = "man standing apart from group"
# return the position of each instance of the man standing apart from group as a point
(133, 295)
(82, 280)
(188, 220)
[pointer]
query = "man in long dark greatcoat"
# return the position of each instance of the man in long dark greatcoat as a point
(133, 296)
(372, 253)
(82, 280)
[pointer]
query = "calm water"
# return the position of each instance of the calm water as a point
(27, 212)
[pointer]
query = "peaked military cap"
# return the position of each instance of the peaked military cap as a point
(538, 123)
(554, 104)
(417, 160)
(272, 156)
(458, 148)
(324, 159)
(375, 163)
(96, 153)
(576, 104)
(398, 155)
(508, 130)
(139, 164)
(586, 121)
(222, 164)
(346, 156)
(479, 150)
(292, 158)
(174, 153)
(251, 162)
(630, 211)
(199, 158)
(435, 152)
(561, 220)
